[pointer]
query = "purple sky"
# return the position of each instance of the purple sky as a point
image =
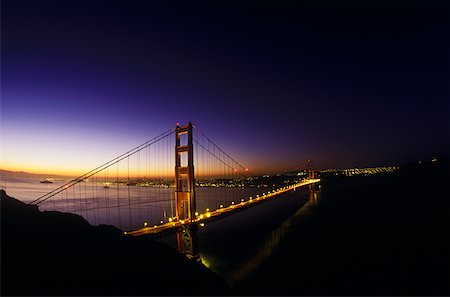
(272, 84)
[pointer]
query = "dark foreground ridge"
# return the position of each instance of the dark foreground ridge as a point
(53, 253)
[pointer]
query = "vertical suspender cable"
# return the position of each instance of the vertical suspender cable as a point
(118, 196)
(139, 185)
(128, 188)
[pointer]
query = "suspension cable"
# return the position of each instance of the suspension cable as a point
(245, 169)
(102, 167)
(219, 158)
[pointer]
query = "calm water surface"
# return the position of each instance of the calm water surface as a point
(238, 245)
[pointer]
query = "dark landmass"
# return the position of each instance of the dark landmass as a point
(53, 253)
(384, 234)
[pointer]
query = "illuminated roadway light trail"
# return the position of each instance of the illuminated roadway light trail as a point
(201, 218)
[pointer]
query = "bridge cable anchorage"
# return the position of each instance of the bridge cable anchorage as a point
(101, 167)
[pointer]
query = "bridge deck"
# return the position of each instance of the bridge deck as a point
(208, 216)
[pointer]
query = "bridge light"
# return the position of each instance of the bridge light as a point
(201, 216)
(154, 226)
(161, 222)
(208, 215)
(170, 219)
(145, 224)
(221, 205)
(196, 213)
(246, 169)
(232, 202)
(182, 221)
(202, 224)
(242, 199)
(207, 209)
(125, 232)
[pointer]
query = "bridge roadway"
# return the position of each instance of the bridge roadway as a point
(209, 216)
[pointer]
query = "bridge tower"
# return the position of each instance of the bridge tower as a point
(310, 168)
(185, 191)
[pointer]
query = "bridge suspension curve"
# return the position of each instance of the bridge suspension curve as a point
(148, 189)
(102, 167)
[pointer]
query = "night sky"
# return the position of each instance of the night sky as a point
(346, 84)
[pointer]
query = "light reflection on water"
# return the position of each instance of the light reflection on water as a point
(235, 246)
(273, 240)
(26, 189)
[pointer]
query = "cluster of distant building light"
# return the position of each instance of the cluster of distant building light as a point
(370, 170)
(360, 171)
(286, 178)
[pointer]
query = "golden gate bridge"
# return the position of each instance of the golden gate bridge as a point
(176, 181)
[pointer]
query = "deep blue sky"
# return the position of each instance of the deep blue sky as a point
(345, 84)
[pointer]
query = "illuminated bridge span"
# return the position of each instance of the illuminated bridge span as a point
(153, 188)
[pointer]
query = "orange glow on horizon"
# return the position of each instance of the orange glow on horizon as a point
(112, 172)
(42, 170)
(158, 170)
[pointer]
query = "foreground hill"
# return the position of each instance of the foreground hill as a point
(53, 253)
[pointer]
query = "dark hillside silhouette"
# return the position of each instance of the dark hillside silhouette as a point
(53, 253)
